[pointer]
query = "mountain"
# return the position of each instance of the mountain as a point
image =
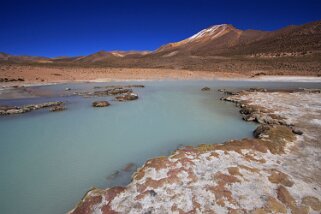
(103, 56)
(227, 40)
(214, 40)
(287, 41)
(22, 59)
(4, 56)
(217, 48)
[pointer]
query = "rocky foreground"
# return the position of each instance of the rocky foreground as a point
(278, 171)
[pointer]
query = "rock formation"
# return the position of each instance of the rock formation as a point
(205, 89)
(100, 104)
(7, 110)
(127, 97)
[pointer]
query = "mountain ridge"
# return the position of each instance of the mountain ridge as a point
(218, 47)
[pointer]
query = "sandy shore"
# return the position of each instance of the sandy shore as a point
(35, 75)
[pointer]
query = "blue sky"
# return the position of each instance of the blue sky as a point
(73, 28)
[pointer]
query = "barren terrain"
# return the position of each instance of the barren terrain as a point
(12, 74)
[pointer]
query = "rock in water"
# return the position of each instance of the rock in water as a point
(7, 110)
(260, 130)
(100, 104)
(57, 108)
(127, 97)
(205, 89)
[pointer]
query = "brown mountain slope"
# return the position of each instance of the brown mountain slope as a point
(227, 40)
(211, 41)
(23, 59)
(223, 47)
(292, 39)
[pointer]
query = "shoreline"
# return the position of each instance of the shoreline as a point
(259, 175)
(19, 75)
(266, 78)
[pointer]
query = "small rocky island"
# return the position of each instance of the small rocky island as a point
(54, 106)
(120, 93)
(101, 104)
(278, 171)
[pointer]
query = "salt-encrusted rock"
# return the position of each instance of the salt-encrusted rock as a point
(311, 90)
(108, 92)
(249, 118)
(127, 97)
(257, 90)
(205, 89)
(228, 92)
(297, 131)
(100, 104)
(58, 108)
(266, 119)
(120, 86)
(261, 130)
(7, 110)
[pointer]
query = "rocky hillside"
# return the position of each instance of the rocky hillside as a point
(217, 48)
(227, 40)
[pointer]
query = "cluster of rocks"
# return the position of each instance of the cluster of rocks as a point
(228, 92)
(121, 94)
(127, 97)
(310, 90)
(120, 86)
(11, 80)
(58, 108)
(54, 106)
(256, 113)
(103, 93)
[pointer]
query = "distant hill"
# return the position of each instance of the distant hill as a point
(218, 48)
(19, 59)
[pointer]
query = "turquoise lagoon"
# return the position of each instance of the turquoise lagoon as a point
(49, 160)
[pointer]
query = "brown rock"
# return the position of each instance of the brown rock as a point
(274, 206)
(278, 177)
(285, 197)
(86, 205)
(205, 89)
(100, 104)
(57, 108)
(7, 110)
(261, 130)
(312, 202)
(234, 171)
(297, 131)
(127, 97)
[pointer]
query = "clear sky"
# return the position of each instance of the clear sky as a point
(73, 28)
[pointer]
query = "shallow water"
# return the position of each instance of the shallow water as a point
(49, 160)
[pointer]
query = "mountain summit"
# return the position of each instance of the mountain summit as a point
(227, 40)
(212, 40)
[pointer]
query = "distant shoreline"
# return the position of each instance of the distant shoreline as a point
(34, 76)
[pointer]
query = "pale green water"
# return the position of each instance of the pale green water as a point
(49, 160)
